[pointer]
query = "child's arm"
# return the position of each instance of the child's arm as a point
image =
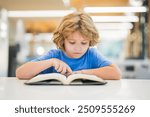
(111, 72)
(30, 69)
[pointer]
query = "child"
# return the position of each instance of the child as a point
(74, 37)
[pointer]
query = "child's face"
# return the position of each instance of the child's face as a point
(76, 45)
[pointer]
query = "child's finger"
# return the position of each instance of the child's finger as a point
(60, 68)
(64, 70)
(56, 65)
(69, 70)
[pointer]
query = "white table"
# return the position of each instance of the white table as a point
(14, 89)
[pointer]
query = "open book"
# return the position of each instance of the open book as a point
(74, 79)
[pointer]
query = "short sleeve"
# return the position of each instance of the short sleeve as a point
(50, 54)
(98, 60)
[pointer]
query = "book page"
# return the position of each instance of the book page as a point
(42, 77)
(73, 77)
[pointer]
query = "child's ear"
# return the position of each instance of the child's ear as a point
(90, 44)
(61, 44)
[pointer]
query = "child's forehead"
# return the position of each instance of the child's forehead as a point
(77, 39)
(77, 36)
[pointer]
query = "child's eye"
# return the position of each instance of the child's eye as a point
(84, 43)
(72, 42)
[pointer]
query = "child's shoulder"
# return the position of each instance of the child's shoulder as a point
(92, 50)
(54, 52)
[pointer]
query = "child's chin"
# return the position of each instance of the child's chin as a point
(77, 56)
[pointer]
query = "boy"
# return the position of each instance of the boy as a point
(73, 37)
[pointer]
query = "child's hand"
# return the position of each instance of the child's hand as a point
(61, 66)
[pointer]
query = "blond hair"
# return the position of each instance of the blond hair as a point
(76, 21)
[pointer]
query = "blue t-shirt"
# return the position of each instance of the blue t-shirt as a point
(90, 60)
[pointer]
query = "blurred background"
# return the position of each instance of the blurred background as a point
(26, 28)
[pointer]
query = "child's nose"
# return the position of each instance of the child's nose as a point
(78, 47)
